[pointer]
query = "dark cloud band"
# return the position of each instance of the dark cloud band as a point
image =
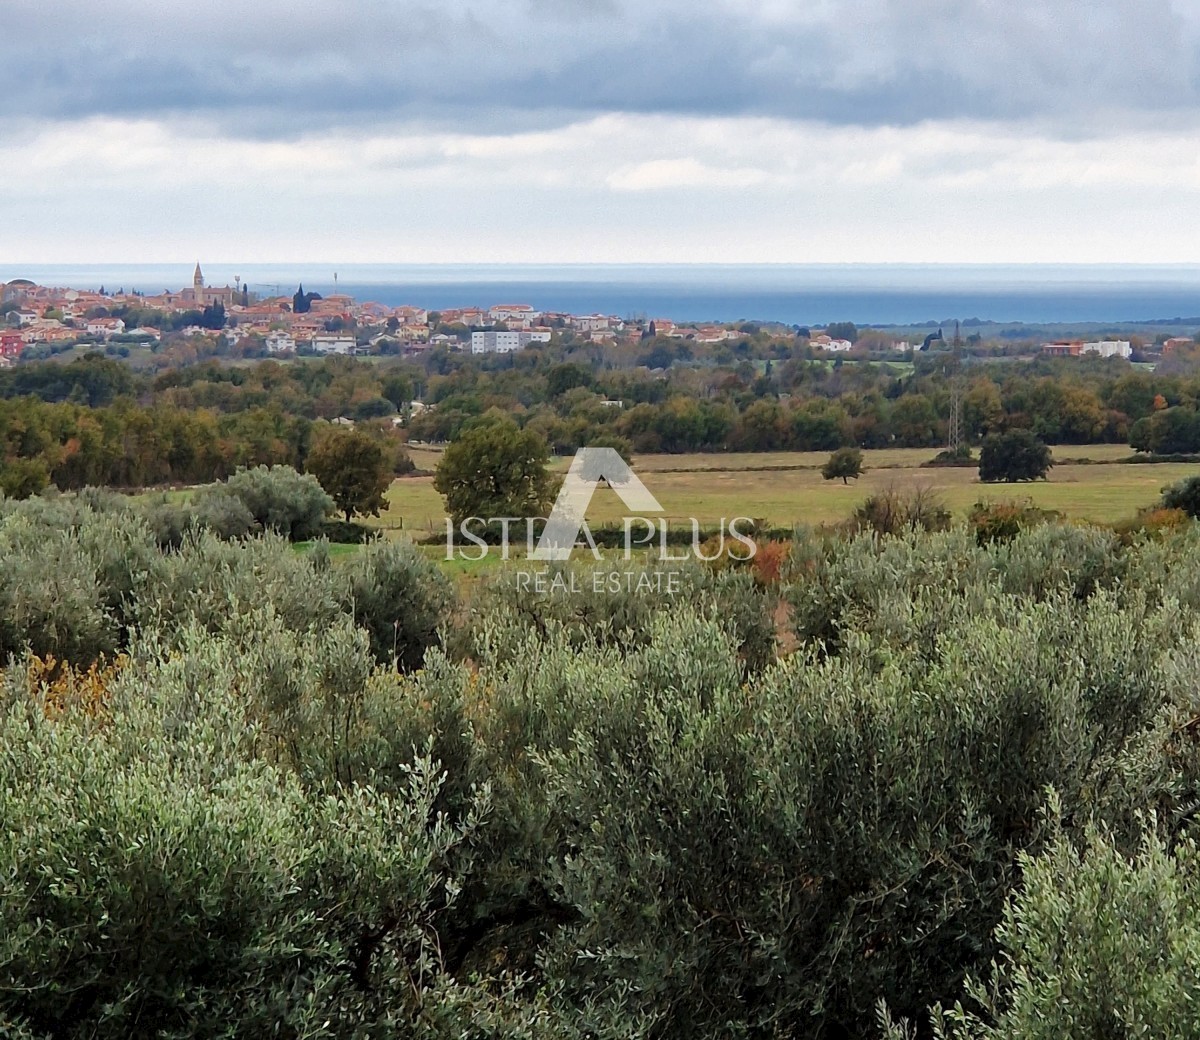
(275, 69)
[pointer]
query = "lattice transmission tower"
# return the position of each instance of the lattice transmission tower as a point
(954, 426)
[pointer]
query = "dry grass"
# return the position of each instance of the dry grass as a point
(786, 487)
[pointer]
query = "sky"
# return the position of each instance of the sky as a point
(600, 131)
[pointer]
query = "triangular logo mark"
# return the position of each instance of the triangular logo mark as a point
(588, 469)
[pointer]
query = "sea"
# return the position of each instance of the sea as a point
(889, 295)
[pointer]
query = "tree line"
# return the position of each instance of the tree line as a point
(228, 416)
(126, 445)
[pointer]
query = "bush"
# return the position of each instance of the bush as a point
(891, 511)
(1095, 943)
(213, 509)
(223, 513)
(212, 585)
(342, 533)
(1152, 523)
(189, 887)
(1185, 495)
(400, 598)
(281, 500)
(1003, 521)
(600, 814)
(960, 457)
(774, 861)
(20, 478)
(602, 614)
(71, 579)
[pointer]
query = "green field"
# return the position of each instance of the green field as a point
(786, 488)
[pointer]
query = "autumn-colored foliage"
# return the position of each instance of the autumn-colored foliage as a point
(59, 686)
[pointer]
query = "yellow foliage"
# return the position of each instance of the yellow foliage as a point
(59, 686)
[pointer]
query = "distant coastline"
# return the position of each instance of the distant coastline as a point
(795, 294)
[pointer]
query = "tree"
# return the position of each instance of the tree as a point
(842, 330)
(562, 378)
(20, 478)
(621, 445)
(1013, 456)
(398, 389)
(301, 301)
(213, 316)
(592, 470)
(844, 463)
(496, 469)
(353, 470)
(1172, 431)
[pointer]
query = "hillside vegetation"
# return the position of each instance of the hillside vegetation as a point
(887, 785)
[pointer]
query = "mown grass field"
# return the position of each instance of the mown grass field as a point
(786, 488)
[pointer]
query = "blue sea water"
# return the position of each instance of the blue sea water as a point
(800, 294)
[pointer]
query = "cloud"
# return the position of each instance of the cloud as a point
(602, 129)
(270, 69)
(663, 174)
(602, 189)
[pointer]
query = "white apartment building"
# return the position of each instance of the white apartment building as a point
(333, 344)
(1108, 348)
(506, 342)
(495, 342)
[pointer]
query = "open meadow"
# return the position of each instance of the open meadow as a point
(1087, 483)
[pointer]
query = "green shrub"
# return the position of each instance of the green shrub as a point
(187, 887)
(1048, 558)
(892, 511)
(613, 604)
(281, 500)
(1094, 943)
(400, 598)
(1185, 495)
(211, 583)
(778, 859)
(222, 512)
(20, 478)
(1003, 521)
(54, 593)
(594, 815)
(342, 533)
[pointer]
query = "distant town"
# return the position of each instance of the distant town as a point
(42, 321)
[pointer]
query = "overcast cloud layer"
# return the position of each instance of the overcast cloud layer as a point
(281, 68)
(608, 129)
